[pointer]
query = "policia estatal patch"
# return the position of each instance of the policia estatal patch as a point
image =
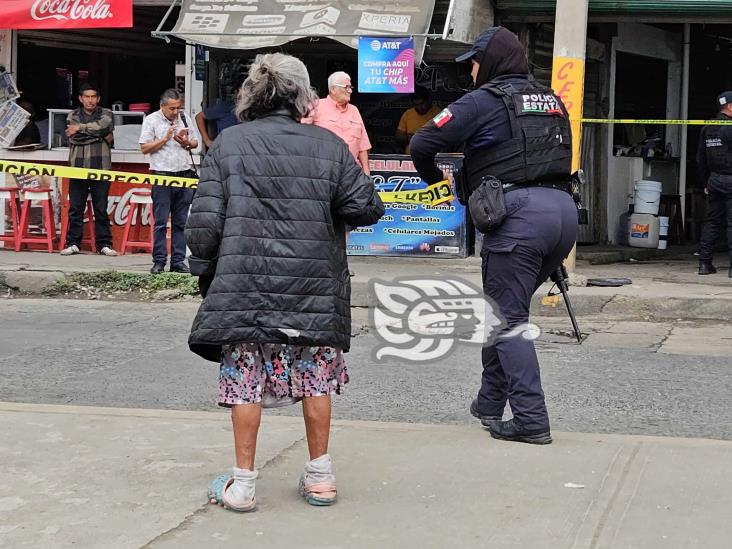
(542, 104)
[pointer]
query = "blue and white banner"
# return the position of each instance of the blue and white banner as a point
(412, 229)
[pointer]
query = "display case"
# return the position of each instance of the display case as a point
(127, 129)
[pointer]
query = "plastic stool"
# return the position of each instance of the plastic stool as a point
(40, 195)
(137, 200)
(89, 215)
(11, 194)
(670, 205)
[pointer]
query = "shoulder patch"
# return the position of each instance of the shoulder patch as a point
(542, 104)
(442, 118)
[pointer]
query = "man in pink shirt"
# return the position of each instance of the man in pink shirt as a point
(335, 113)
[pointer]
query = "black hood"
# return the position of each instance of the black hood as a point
(503, 55)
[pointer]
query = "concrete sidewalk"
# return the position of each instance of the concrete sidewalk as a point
(128, 478)
(662, 288)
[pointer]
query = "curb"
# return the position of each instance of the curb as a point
(32, 283)
(661, 308)
(625, 254)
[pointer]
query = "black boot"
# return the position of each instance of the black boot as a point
(514, 431)
(729, 273)
(476, 412)
(706, 269)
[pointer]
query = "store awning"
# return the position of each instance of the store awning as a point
(244, 24)
(65, 14)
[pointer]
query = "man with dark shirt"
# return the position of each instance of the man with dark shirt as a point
(89, 129)
(222, 113)
(714, 158)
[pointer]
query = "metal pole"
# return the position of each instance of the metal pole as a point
(165, 18)
(448, 20)
(684, 128)
(568, 74)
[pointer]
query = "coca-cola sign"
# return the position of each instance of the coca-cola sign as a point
(65, 14)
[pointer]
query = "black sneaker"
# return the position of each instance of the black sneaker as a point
(180, 268)
(157, 268)
(706, 269)
(514, 431)
(475, 412)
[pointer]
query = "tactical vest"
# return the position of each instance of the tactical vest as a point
(718, 148)
(540, 148)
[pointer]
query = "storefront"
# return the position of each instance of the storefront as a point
(645, 61)
(229, 50)
(131, 69)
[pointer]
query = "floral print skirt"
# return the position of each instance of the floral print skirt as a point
(248, 370)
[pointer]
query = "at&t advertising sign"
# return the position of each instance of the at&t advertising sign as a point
(385, 65)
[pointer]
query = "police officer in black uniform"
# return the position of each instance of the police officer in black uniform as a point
(714, 158)
(517, 131)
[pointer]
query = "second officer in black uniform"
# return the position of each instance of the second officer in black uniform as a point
(515, 131)
(714, 158)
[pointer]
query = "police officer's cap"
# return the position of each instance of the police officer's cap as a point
(481, 43)
(725, 98)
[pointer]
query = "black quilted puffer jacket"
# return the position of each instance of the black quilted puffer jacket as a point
(268, 222)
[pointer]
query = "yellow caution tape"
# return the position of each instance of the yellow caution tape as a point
(433, 195)
(667, 122)
(27, 168)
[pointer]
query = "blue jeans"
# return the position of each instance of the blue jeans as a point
(173, 202)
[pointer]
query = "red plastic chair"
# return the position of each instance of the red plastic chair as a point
(29, 196)
(12, 194)
(138, 199)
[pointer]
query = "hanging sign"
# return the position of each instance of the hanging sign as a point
(254, 24)
(65, 14)
(385, 65)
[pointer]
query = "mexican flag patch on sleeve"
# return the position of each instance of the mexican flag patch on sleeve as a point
(442, 118)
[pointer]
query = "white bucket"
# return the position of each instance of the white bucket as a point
(662, 232)
(647, 197)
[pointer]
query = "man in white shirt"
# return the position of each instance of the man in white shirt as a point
(168, 139)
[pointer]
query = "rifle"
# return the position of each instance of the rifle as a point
(559, 277)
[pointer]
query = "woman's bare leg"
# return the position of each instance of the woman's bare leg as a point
(316, 411)
(246, 419)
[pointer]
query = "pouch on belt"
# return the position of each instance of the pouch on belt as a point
(487, 205)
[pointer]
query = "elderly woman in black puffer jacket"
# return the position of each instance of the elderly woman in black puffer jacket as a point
(267, 234)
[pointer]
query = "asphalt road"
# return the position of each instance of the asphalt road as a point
(135, 355)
